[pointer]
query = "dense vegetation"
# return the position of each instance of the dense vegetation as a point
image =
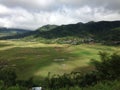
(104, 32)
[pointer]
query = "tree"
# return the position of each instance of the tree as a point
(7, 73)
(109, 66)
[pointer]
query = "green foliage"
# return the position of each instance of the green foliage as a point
(7, 73)
(1, 85)
(113, 37)
(107, 85)
(108, 67)
(8, 76)
(14, 88)
(46, 28)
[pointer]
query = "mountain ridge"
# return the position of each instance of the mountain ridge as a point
(97, 31)
(11, 31)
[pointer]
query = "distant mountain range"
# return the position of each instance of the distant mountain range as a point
(11, 31)
(102, 31)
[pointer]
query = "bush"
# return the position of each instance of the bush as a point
(109, 66)
(107, 85)
(14, 88)
(8, 76)
(1, 85)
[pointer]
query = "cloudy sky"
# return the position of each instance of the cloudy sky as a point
(31, 14)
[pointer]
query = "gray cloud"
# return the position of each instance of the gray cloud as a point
(32, 14)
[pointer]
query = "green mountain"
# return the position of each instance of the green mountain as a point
(102, 31)
(90, 29)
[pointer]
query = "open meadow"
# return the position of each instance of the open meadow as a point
(34, 59)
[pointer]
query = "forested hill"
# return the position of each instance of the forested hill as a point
(98, 31)
(90, 29)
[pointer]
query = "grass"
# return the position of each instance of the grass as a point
(114, 85)
(37, 59)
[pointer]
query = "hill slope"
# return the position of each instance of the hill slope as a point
(81, 32)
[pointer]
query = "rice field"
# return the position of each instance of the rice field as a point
(34, 59)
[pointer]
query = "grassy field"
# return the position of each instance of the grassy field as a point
(37, 59)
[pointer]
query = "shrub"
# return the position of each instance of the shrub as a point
(109, 66)
(8, 76)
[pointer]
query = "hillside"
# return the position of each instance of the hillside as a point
(90, 29)
(78, 33)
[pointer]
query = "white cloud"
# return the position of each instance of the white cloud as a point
(107, 17)
(31, 14)
(3, 9)
(29, 4)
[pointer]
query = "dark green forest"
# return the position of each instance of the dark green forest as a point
(106, 32)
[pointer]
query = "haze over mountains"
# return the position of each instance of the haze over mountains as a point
(11, 31)
(97, 31)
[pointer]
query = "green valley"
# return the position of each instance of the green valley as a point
(34, 59)
(82, 56)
